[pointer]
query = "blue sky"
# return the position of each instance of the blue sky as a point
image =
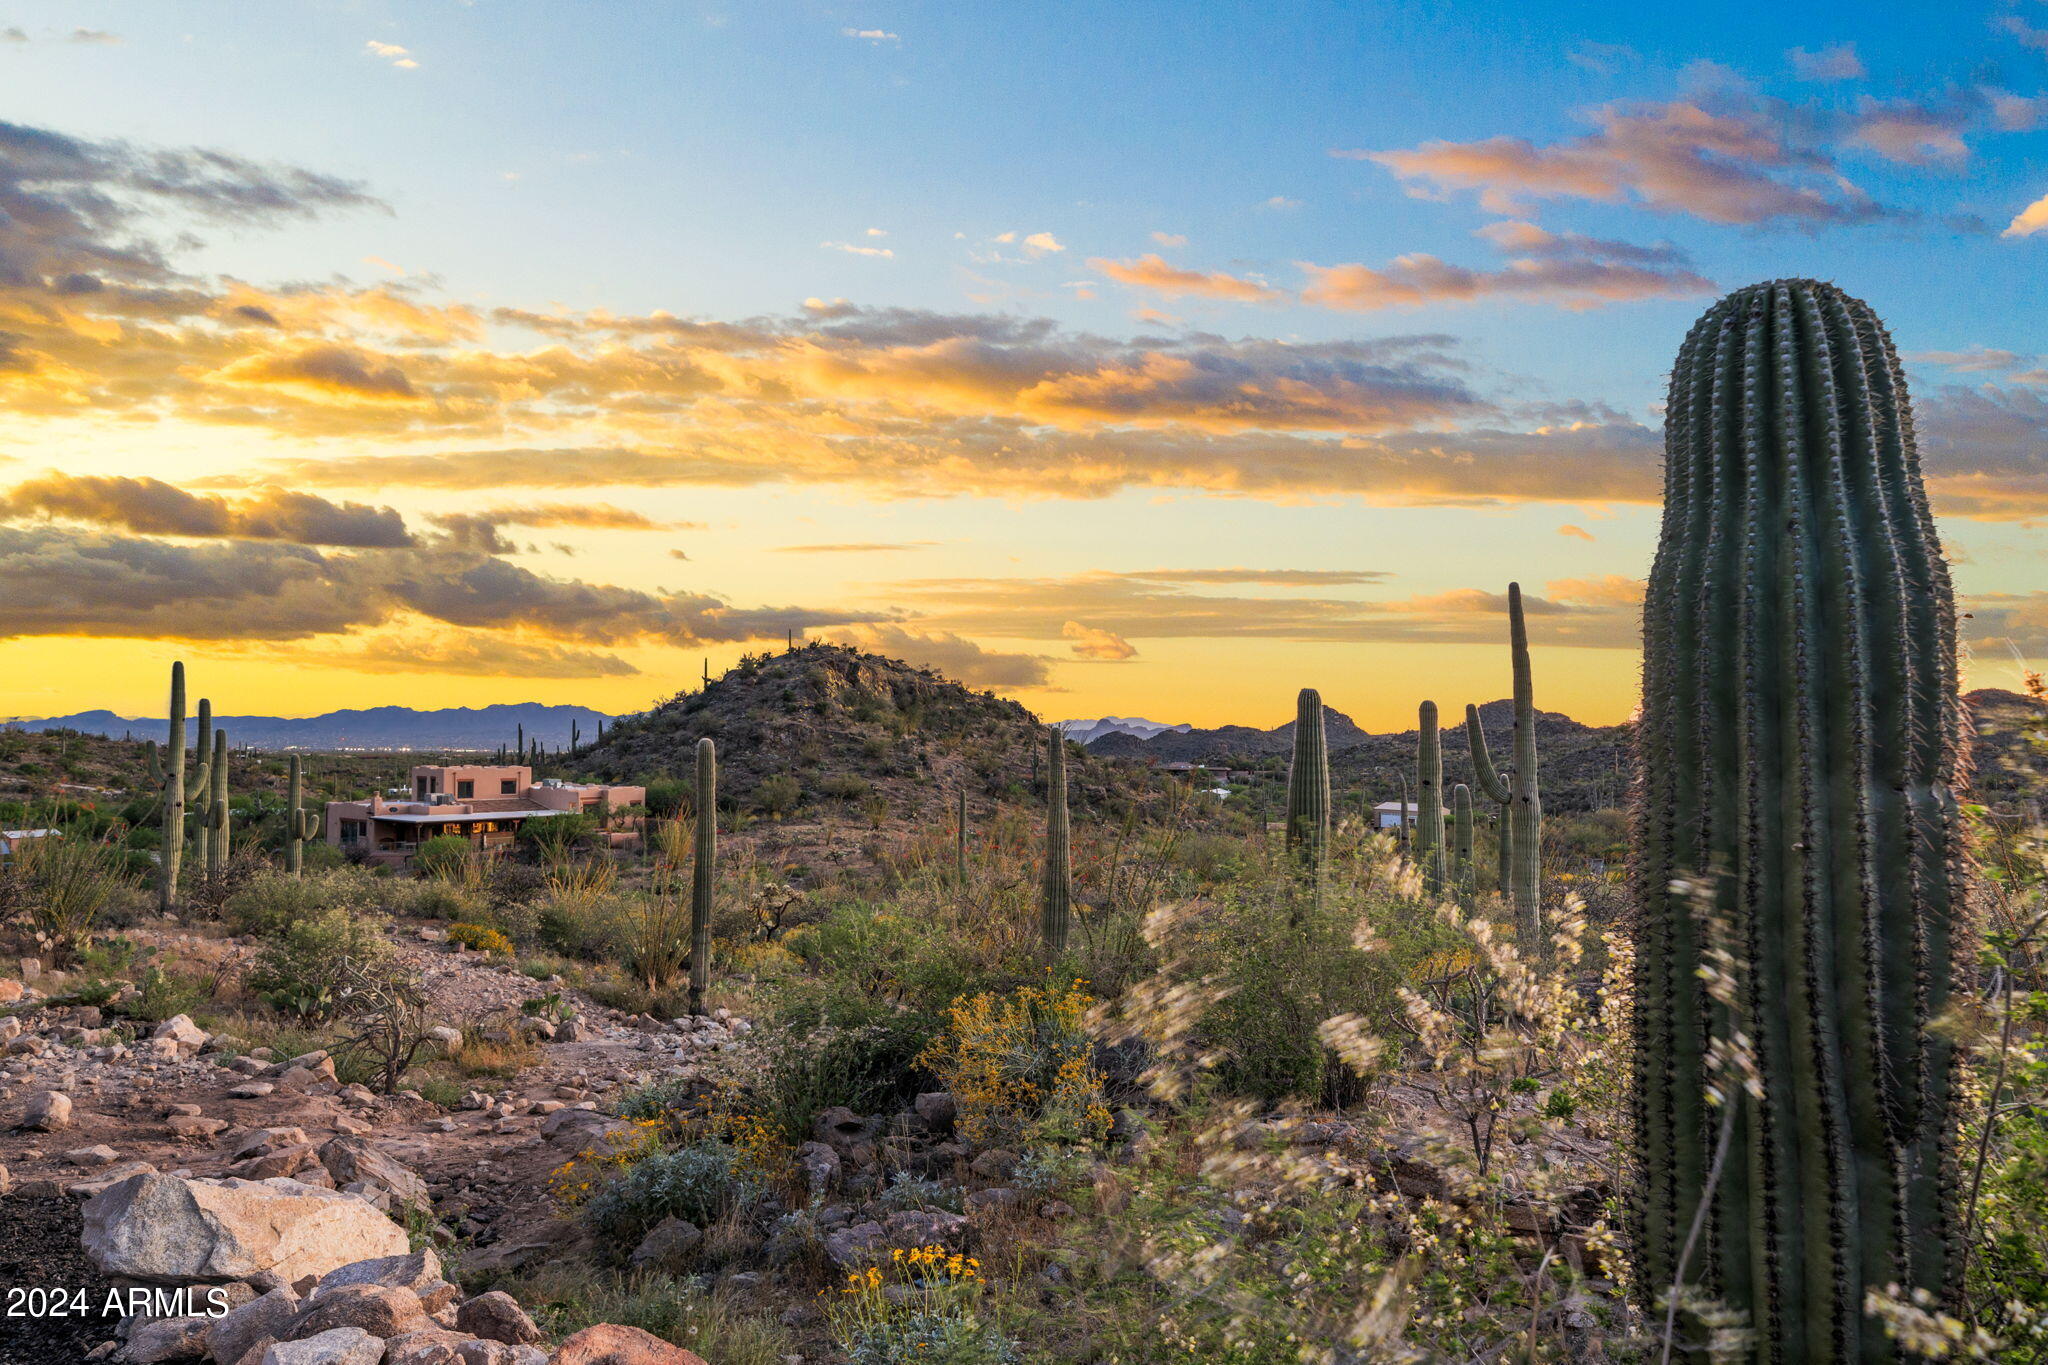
(1503, 215)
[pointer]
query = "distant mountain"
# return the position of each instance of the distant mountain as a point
(1086, 732)
(1227, 744)
(377, 727)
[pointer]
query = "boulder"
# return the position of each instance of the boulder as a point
(925, 1227)
(481, 1352)
(938, 1109)
(521, 1246)
(497, 1316)
(101, 1155)
(821, 1166)
(425, 1346)
(342, 1346)
(107, 1177)
(418, 1271)
(49, 1111)
(184, 1035)
(10, 990)
(379, 1310)
(857, 1245)
(164, 1229)
(670, 1241)
(230, 1336)
(194, 1126)
(257, 1141)
(165, 1339)
(609, 1344)
(282, 1161)
(352, 1159)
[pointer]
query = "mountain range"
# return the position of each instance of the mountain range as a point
(377, 727)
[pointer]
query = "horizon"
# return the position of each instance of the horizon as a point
(503, 353)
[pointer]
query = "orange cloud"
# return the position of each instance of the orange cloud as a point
(1100, 645)
(1151, 272)
(1575, 532)
(1567, 269)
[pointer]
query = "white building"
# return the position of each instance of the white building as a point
(1387, 814)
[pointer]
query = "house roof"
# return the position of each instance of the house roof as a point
(450, 817)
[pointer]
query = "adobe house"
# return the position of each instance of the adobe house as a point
(482, 803)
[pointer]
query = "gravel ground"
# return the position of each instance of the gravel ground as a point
(39, 1250)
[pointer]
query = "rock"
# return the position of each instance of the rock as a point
(166, 1339)
(257, 1141)
(425, 1346)
(377, 1309)
(521, 1247)
(856, 1245)
(342, 1346)
(250, 1090)
(282, 1161)
(101, 1155)
(448, 1039)
(938, 1109)
(989, 1200)
(351, 1159)
(821, 1166)
(6, 1181)
(10, 1029)
(997, 1163)
(230, 1336)
(497, 1316)
(182, 1032)
(165, 1229)
(418, 1271)
(499, 1353)
(31, 968)
(840, 1125)
(664, 1247)
(49, 1111)
(107, 1177)
(194, 1126)
(574, 1031)
(10, 990)
(924, 1227)
(609, 1344)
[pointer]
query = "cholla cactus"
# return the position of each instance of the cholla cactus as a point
(299, 825)
(1798, 760)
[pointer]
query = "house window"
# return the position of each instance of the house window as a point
(509, 787)
(421, 784)
(351, 832)
(465, 789)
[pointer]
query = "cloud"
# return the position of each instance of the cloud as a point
(1726, 164)
(1279, 203)
(1042, 243)
(392, 53)
(1609, 590)
(1975, 360)
(151, 507)
(1170, 238)
(590, 516)
(1836, 63)
(325, 371)
(13, 35)
(1984, 450)
(953, 655)
(1566, 269)
(94, 37)
(872, 35)
(2023, 32)
(1914, 133)
(2017, 113)
(860, 547)
(1575, 532)
(1153, 273)
(854, 249)
(2030, 220)
(465, 655)
(55, 581)
(1101, 646)
(1605, 58)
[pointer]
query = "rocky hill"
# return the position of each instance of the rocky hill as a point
(876, 735)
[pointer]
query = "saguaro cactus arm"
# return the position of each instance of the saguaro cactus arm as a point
(1490, 780)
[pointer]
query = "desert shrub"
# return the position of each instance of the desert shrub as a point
(301, 971)
(568, 1297)
(443, 857)
(926, 1304)
(60, 886)
(481, 937)
(585, 929)
(778, 795)
(843, 786)
(270, 903)
(553, 837)
(669, 798)
(698, 1183)
(866, 1065)
(1021, 1066)
(384, 1027)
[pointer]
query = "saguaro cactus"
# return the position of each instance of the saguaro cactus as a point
(167, 770)
(299, 825)
(1462, 880)
(1797, 758)
(1056, 888)
(1308, 785)
(216, 821)
(1518, 792)
(1429, 800)
(201, 791)
(703, 873)
(960, 839)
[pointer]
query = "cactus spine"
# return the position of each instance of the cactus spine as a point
(1056, 890)
(1519, 795)
(1798, 753)
(1308, 785)
(217, 807)
(299, 825)
(1429, 799)
(703, 873)
(1462, 880)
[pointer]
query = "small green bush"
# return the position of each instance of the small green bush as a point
(699, 1183)
(442, 856)
(302, 970)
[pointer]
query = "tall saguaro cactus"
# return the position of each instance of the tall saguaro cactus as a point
(200, 792)
(1798, 757)
(1308, 785)
(1497, 789)
(1462, 880)
(217, 814)
(703, 872)
(1056, 887)
(1429, 800)
(299, 825)
(960, 839)
(167, 769)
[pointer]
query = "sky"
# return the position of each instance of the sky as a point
(1149, 359)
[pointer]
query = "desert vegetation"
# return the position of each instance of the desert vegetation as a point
(935, 1037)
